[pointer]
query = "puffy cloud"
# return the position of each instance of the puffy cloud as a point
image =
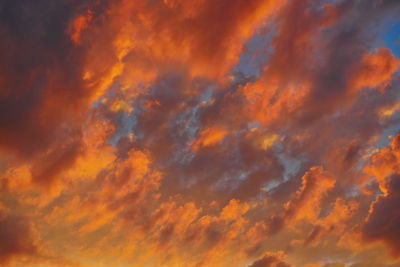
(306, 201)
(384, 163)
(375, 69)
(382, 223)
(335, 222)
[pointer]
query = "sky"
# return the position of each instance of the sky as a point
(202, 133)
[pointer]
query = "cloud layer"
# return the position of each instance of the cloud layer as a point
(199, 133)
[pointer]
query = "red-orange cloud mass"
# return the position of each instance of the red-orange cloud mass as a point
(203, 133)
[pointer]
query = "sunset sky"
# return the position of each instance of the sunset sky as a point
(200, 133)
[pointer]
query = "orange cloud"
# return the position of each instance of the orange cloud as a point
(381, 224)
(385, 163)
(305, 203)
(334, 222)
(209, 137)
(382, 221)
(79, 24)
(375, 70)
(197, 133)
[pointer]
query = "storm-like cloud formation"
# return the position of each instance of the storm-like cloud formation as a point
(199, 133)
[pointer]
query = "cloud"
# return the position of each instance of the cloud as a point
(270, 260)
(382, 223)
(209, 137)
(17, 238)
(335, 222)
(43, 95)
(306, 201)
(198, 133)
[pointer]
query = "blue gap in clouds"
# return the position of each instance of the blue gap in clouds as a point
(391, 37)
